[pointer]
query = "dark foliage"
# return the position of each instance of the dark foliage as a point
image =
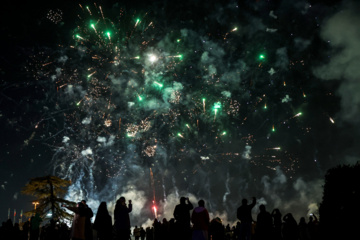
(340, 206)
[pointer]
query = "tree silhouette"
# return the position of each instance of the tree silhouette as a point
(48, 191)
(340, 206)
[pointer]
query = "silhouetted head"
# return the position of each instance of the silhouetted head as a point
(244, 201)
(182, 200)
(102, 208)
(201, 203)
(122, 199)
(262, 208)
(84, 202)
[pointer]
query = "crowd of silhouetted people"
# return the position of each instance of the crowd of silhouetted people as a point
(188, 223)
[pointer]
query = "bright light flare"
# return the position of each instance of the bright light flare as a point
(137, 22)
(203, 100)
(158, 84)
(298, 115)
(153, 58)
(217, 105)
(78, 36)
(93, 26)
(91, 74)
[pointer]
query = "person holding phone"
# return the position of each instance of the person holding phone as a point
(122, 219)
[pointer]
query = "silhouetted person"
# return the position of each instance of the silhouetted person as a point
(290, 228)
(88, 215)
(200, 219)
(149, 233)
(25, 228)
(172, 228)
(264, 224)
(35, 222)
(16, 232)
(313, 227)
(122, 219)
(165, 229)
(237, 230)
(136, 233)
(157, 229)
(103, 223)
(303, 229)
(78, 224)
(277, 221)
(182, 217)
(217, 229)
(245, 217)
(142, 233)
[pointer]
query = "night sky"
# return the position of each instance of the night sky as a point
(215, 100)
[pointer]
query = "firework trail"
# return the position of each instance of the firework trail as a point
(184, 104)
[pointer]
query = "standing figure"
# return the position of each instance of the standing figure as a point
(264, 224)
(217, 229)
(200, 219)
(103, 223)
(88, 215)
(122, 219)
(137, 233)
(142, 233)
(182, 217)
(303, 229)
(290, 229)
(277, 220)
(35, 222)
(245, 217)
(78, 224)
